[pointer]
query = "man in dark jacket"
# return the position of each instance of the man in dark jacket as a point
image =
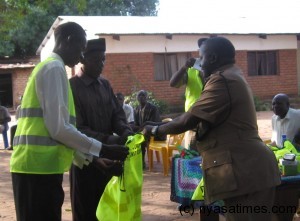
(145, 112)
(98, 115)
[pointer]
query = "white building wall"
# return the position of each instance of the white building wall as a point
(298, 67)
(159, 43)
(47, 49)
(178, 43)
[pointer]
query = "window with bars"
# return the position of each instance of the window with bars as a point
(168, 63)
(262, 63)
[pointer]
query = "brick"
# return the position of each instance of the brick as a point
(136, 70)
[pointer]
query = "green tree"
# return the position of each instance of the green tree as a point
(24, 23)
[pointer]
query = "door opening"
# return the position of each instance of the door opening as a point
(6, 96)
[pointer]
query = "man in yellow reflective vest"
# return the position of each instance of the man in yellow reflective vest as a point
(193, 80)
(46, 139)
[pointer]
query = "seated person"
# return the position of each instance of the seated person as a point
(285, 121)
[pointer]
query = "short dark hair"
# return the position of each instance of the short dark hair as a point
(283, 97)
(120, 96)
(222, 47)
(201, 40)
(142, 92)
(63, 31)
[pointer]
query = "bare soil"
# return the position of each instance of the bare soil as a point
(156, 204)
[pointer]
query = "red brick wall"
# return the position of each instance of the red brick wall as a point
(19, 81)
(268, 86)
(20, 78)
(132, 72)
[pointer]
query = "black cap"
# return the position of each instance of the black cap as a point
(95, 45)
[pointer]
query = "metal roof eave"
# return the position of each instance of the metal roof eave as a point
(194, 33)
(115, 25)
(48, 35)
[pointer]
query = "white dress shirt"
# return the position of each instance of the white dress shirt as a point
(128, 112)
(288, 126)
(52, 91)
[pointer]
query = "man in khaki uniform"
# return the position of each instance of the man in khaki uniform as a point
(237, 167)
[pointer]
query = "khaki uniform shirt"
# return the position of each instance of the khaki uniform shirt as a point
(235, 160)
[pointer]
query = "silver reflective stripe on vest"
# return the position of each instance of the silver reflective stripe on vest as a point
(38, 112)
(31, 112)
(34, 140)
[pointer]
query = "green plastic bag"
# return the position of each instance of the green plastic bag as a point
(199, 191)
(288, 148)
(122, 197)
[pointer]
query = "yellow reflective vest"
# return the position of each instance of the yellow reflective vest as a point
(35, 152)
(193, 89)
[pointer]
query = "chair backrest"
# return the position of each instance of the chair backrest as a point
(175, 140)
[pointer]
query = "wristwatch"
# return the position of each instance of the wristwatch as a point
(154, 130)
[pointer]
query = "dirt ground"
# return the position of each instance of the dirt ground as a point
(156, 204)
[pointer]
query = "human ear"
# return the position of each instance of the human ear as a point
(73, 39)
(70, 38)
(213, 58)
(81, 59)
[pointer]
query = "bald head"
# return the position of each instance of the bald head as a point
(214, 53)
(70, 42)
(281, 96)
(280, 105)
(142, 92)
(69, 30)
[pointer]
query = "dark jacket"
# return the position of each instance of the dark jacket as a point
(4, 115)
(98, 113)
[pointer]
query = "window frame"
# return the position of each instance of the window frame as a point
(263, 63)
(166, 64)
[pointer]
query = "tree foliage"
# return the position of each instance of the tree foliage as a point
(24, 23)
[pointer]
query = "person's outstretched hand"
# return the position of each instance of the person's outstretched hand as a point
(151, 123)
(114, 152)
(147, 131)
